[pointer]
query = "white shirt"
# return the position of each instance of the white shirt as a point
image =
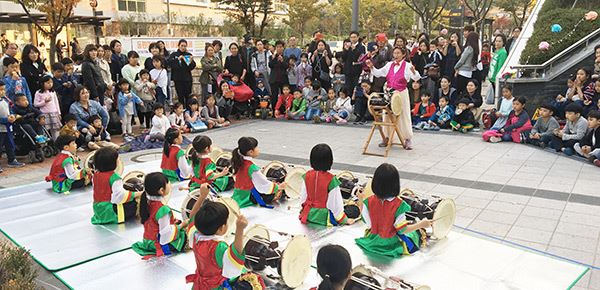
(408, 74)
(160, 125)
(160, 75)
(260, 181)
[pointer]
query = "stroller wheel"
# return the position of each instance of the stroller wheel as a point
(32, 157)
(47, 151)
(39, 155)
(264, 114)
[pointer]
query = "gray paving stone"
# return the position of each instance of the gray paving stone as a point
(528, 234)
(570, 241)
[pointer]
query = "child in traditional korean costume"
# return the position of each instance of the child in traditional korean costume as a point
(66, 172)
(320, 194)
(389, 232)
(251, 186)
(163, 234)
(204, 169)
(174, 164)
(112, 203)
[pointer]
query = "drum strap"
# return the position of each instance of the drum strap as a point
(259, 199)
(120, 213)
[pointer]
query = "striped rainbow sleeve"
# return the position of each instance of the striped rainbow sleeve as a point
(401, 223)
(233, 263)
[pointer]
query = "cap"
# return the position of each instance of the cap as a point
(380, 37)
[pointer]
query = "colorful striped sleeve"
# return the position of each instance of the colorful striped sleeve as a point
(262, 184)
(230, 261)
(167, 231)
(401, 223)
(119, 194)
(71, 171)
(335, 204)
(209, 170)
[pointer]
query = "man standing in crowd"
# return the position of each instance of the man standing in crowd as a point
(352, 69)
(384, 55)
(292, 49)
(278, 76)
(515, 34)
(246, 52)
(10, 51)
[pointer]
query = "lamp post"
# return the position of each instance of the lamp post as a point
(94, 5)
(169, 29)
(355, 15)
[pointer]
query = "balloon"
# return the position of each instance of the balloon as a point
(591, 16)
(544, 46)
(444, 31)
(556, 28)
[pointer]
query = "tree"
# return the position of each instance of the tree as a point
(58, 14)
(427, 10)
(517, 8)
(374, 15)
(300, 13)
(246, 11)
(479, 9)
(197, 25)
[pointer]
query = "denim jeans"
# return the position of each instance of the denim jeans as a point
(310, 112)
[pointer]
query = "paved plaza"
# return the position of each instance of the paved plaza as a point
(516, 193)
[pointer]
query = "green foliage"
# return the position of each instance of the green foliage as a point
(375, 16)
(560, 12)
(198, 25)
(16, 269)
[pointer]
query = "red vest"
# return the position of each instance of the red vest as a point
(202, 178)
(242, 179)
(151, 225)
(383, 216)
(57, 172)
(102, 188)
(170, 163)
(317, 191)
(208, 274)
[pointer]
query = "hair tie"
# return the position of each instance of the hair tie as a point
(327, 276)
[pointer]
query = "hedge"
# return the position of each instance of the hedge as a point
(558, 12)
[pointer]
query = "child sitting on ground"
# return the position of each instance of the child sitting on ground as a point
(193, 119)
(210, 114)
(442, 116)
(327, 107)
(320, 194)
(342, 109)
(423, 111)
(174, 164)
(100, 138)
(112, 203)
(544, 127)
(576, 127)
(177, 118)
(518, 122)
(506, 106)
(334, 266)
(463, 118)
(298, 108)
(160, 124)
(313, 101)
(284, 103)
(66, 172)
(204, 170)
(589, 146)
(29, 118)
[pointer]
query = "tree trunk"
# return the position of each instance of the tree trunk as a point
(53, 48)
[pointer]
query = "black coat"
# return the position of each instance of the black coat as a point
(587, 139)
(33, 75)
(92, 79)
(180, 70)
(278, 70)
(349, 57)
(235, 64)
(117, 62)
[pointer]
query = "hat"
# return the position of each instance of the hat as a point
(464, 101)
(247, 38)
(259, 81)
(319, 36)
(380, 37)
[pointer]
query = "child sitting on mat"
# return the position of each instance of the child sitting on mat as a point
(298, 108)
(389, 232)
(163, 234)
(334, 265)
(66, 172)
(320, 194)
(251, 186)
(219, 265)
(112, 203)
(204, 169)
(174, 164)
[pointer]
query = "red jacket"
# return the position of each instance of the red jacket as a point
(284, 100)
(429, 111)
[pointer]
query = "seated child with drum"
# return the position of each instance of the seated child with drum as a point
(112, 202)
(174, 164)
(334, 265)
(163, 234)
(389, 232)
(66, 172)
(204, 169)
(320, 194)
(218, 265)
(251, 185)
(463, 119)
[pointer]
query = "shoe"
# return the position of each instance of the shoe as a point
(542, 145)
(434, 128)
(568, 151)
(341, 121)
(384, 143)
(578, 150)
(407, 144)
(420, 125)
(495, 139)
(15, 163)
(427, 127)
(328, 120)
(1, 170)
(40, 139)
(597, 162)
(316, 119)
(361, 122)
(592, 158)
(302, 118)
(462, 130)
(80, 149)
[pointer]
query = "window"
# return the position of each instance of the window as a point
(132, 5)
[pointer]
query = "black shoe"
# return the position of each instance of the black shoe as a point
(592, 159)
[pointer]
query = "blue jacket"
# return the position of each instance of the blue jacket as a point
(83, 116)
(123, 100)
(14, 87)
(442, 116)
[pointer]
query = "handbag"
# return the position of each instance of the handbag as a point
(197, 126)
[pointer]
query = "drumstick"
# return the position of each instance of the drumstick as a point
(439, 218)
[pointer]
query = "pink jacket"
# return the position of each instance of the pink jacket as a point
(49, 107)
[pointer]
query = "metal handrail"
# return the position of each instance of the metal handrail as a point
(559, 55)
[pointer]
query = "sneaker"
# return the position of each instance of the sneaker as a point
(495, 139)
(597, 162)
(302, 118)
(578, 150)
(328, 120)
(341, 121)
(427, 127)
(462, 130)
(15, 163)
(434, 128)
(316, 119)
(592, 158)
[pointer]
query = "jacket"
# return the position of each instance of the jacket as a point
(117, 62)
(210, 68)
(83, 116)
(181, 70)
(592, 139)
(278, 70)
(123, 100)
(33, 74)
(29, 114)
(92, 79)
(14, 87)
(429, 110)
(465, 117)
(465, 61)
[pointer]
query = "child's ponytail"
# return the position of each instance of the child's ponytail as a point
(334, 266)
(152, 184)
(170, 137)
(245, 144)
(144, 211)
(199, 144)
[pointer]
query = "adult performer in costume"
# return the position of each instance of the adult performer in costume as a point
(397, 73)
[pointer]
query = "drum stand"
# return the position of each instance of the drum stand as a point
(379, 123)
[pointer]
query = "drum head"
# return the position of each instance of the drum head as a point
(223, 160)
(368, 191)
(88, 163)
(215, 152)
(443, 218)
(134, 181)
(234, 211)
(275, 171)
(188, 203)
(294, 182)
(363, 270)
(345, 174)
(295, 261)
(256, 231)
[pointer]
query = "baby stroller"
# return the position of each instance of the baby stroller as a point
(26, 145)
(264, 109)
